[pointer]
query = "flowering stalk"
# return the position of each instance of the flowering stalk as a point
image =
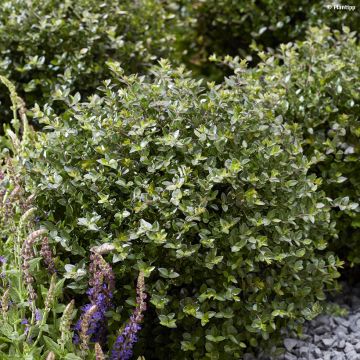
(65, 324)
(27, 254)
(99, 355)
(5, 303)
(84, 336)
(46, 254)
(26, 216)
(51, 356)
(48, 304)
(102, 282)
(124, 343)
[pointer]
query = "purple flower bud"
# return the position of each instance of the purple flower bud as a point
(38, 315)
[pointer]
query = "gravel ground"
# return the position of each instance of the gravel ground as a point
(327, 337)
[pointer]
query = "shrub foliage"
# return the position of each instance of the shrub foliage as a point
(319, 79)
(234, 27)
(223, 197)
(204, 189)
(51, 48)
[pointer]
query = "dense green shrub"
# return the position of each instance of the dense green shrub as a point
(233, 26)
(44, 43)
(206, 190)
(319, 79)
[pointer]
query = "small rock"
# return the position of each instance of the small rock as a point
(348, 348)
(341, 344)
(305, 337)
(337, 356)
(353, 355)
(317, 338)
(341, 332)
(322, 320)
(328, 342)
(290, 357)
(357, 347)
(321, 330)
(317, 353)
(290, 343)
(341, 321)
(304, 351)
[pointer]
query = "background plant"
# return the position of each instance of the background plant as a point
(237, 27)
(51, 48)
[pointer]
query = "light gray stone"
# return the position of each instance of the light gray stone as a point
(290, 344)
(352, 356)
(321, 330)
(317, 338)
(289, 356)
(348, 348)
(304, 351)
(328, 342)
(317, 353)
(341, 321)
(354, 338)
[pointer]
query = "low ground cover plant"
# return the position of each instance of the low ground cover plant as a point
(203, 188)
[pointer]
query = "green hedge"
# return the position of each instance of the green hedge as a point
(234, 26)
(206, 190)
(48, 48)
(319, 79)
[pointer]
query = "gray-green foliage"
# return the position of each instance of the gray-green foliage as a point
(319, 80)
(204, 188)
(48, 48)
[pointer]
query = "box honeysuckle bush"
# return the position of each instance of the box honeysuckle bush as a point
(51, 48)
(206, 190)
(318, 80)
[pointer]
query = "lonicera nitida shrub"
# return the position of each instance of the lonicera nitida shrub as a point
(233, 26)
(319, 80)
(51, 48)
(204, 189)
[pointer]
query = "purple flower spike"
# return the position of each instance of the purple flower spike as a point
(2, 259)
(124, 343)
(102, 282)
